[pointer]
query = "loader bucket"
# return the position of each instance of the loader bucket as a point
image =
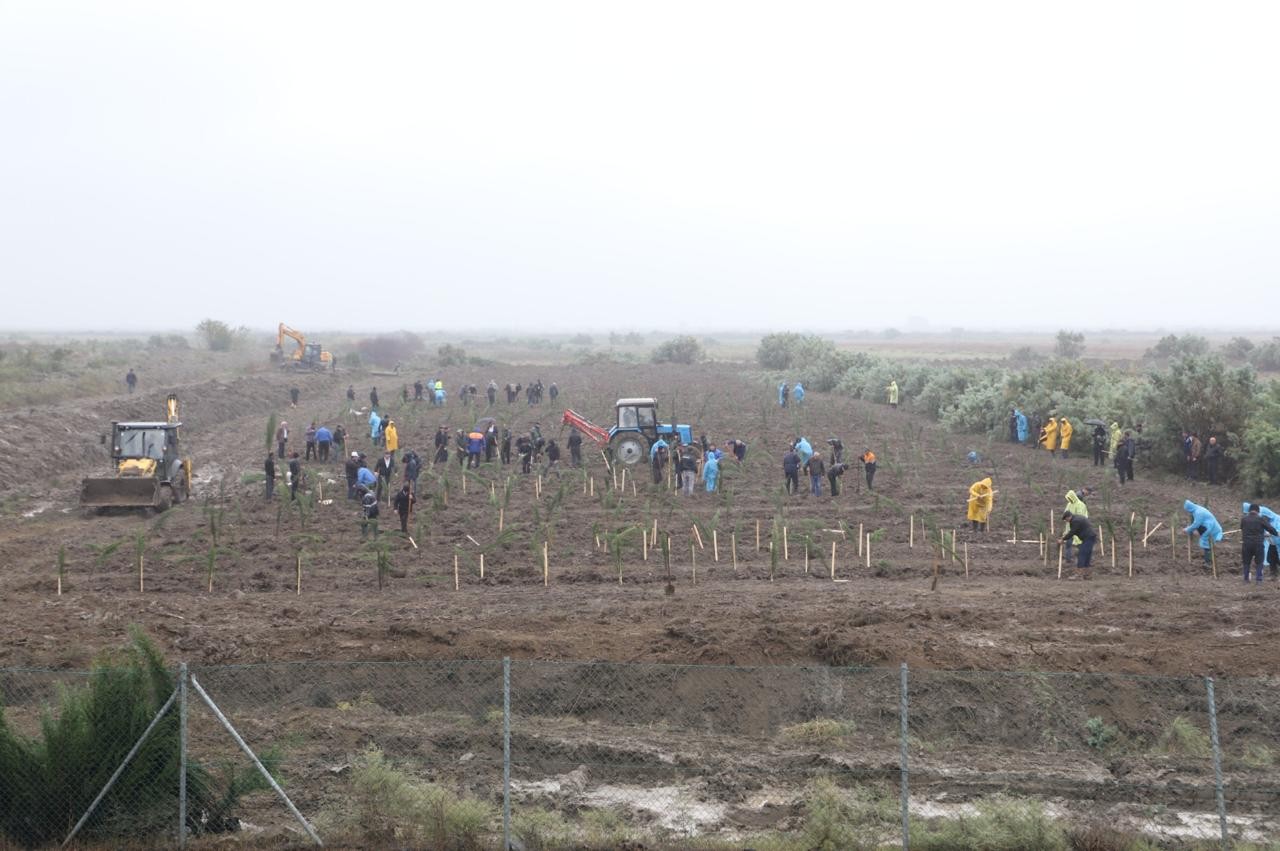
(120, 492)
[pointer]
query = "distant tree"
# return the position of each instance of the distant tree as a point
(779, 351)
(450, 355)
(1172, 346)
(217, 335)
(679, 350)
(1070, 344)
(1202, 395)
(1260, 458)
(581, 340)
(1239, 348)
(1266, 356)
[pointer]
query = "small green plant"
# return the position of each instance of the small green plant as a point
(542, 830)
(1259, 756)
(1000, 823)
(1098, 734)
(1184, 737)
(840, 820)
(819, 731)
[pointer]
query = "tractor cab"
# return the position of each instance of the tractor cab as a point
(637, 415)
(138, 447)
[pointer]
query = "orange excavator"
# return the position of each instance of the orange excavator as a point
(305, 356)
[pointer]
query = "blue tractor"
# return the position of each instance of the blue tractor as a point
(636, 429)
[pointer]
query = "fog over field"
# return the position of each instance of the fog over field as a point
(552, 166)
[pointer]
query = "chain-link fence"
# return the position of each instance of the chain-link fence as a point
(603, 755)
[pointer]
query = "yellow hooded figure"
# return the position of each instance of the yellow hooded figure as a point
(1064, 434)
(1077, 507)
(393, 437)
(893, 392)
(981, 500)
(1049, 435)
(1115, 440)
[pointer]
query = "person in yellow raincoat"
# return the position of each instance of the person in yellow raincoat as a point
(1065, 431)
(892, 390)
(393, 439)
(1076, 505)
(1115, 441)
(981, 499)
(1049, 435)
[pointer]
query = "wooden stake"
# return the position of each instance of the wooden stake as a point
(833, 561)
(693, 562)
(501, 511)
(1188, 548)
(1154, 529)
(597, 542)
(869, 550)
(1131, 558)
(860, 536)
(954, 556)
(733, 547)
(1102, 544)
(654, 536)
(698, 535)
(644, 542)
(546, 566)
(593, 486)
(1060, 559)
(482, 565)
(455, 571)
(966, 559)
(493, 490)
(911, 542)
(1113, 552)
(1213, 559)
(1040, 541)
(770, 559)
(1146, 530)
(715, 545)
(806, 560)
(757, 536)
(624, 480)
(142, 588)
(786, 553)
(464, 484)
(299, 576)
(539, 486)
(1052, 531)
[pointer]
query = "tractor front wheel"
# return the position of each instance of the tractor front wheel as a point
(629, 448)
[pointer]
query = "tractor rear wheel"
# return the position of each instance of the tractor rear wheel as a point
(629, 447)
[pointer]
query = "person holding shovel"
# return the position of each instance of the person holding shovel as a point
(403, 503)
(1080, 530)
(981, 501)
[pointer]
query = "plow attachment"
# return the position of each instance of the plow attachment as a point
(120, 492)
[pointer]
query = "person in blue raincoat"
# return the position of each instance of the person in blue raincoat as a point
(375, 425)
(711, 472)
(804, 450)
(782, 394)
(1269, 554)
(797, 393)
(1203, 521)
(1022, 425)
(439, 394)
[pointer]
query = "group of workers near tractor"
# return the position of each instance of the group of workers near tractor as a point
(802, 457)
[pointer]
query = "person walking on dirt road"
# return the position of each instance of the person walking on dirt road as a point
(270, 469)
(981, 501)
(1079, 529)
(373, 398)
(351, 396)
(131, 381)
(1253, 529)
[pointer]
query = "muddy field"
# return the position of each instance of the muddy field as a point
(608, 603)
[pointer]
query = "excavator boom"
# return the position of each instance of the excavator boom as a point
(584, 425)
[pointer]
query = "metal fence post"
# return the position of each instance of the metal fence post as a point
(506, 753)
(182, 755)
(902, 759)
(1217, 763)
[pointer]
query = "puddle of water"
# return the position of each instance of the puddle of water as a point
(675, 807)
(39, 508)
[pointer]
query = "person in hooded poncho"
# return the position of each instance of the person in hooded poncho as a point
(981, 501)
(1077, 507)
(1203, 521)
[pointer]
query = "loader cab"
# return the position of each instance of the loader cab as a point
(637, 415)
(142, 442)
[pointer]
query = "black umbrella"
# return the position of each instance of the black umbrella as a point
(1095, 423)
(482, 424)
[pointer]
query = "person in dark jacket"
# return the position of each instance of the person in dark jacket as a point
(1099, 446)
(311, 449)
(441, 441)
(817, 469)
(504, 449)
(460, 447)
(384, 470)
(1013, 425)
(491, 392)
(834, 472)
(524, 448)
(293, 397)
(687, 467)
(373, 398)
(270, 469)
(351, 395)
(352, 469)
(1212, 458)
(417, 390)
(791, 470)
(1125, 452)
(868, 459)
(295, 475)
(1253, 528)
(132, 381)
(404, 503)
(574, 443)
(1079, 527)
(490, 442)
(553, 391)
(553, 458)
(475, 448)
(412, 469)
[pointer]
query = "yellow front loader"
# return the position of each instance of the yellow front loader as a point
(148, 469)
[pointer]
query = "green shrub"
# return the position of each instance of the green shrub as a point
(47, 783)
(999, 824)
(818, 731)
(1099, 734)
(390, 806)
(1184, 737)
(542, 830)
(679, 350)
(840, 820)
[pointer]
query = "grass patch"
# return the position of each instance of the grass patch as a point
(1185, 738)
(999, 824)
(1099, 735)
(819, 731)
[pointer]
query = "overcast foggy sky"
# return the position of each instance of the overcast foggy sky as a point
(551, 166)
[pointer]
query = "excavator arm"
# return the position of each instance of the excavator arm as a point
(584, 425)
(285, 331)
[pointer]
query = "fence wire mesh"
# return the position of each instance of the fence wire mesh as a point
(602, 755)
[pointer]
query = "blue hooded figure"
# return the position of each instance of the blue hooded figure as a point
(375, 423)
(1022, 425)
(1268, 543)
(804, 450)
(653, 450)
(711, 472)
(1204, 521)
(782, 394)
(439, 395)
(797, 393)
